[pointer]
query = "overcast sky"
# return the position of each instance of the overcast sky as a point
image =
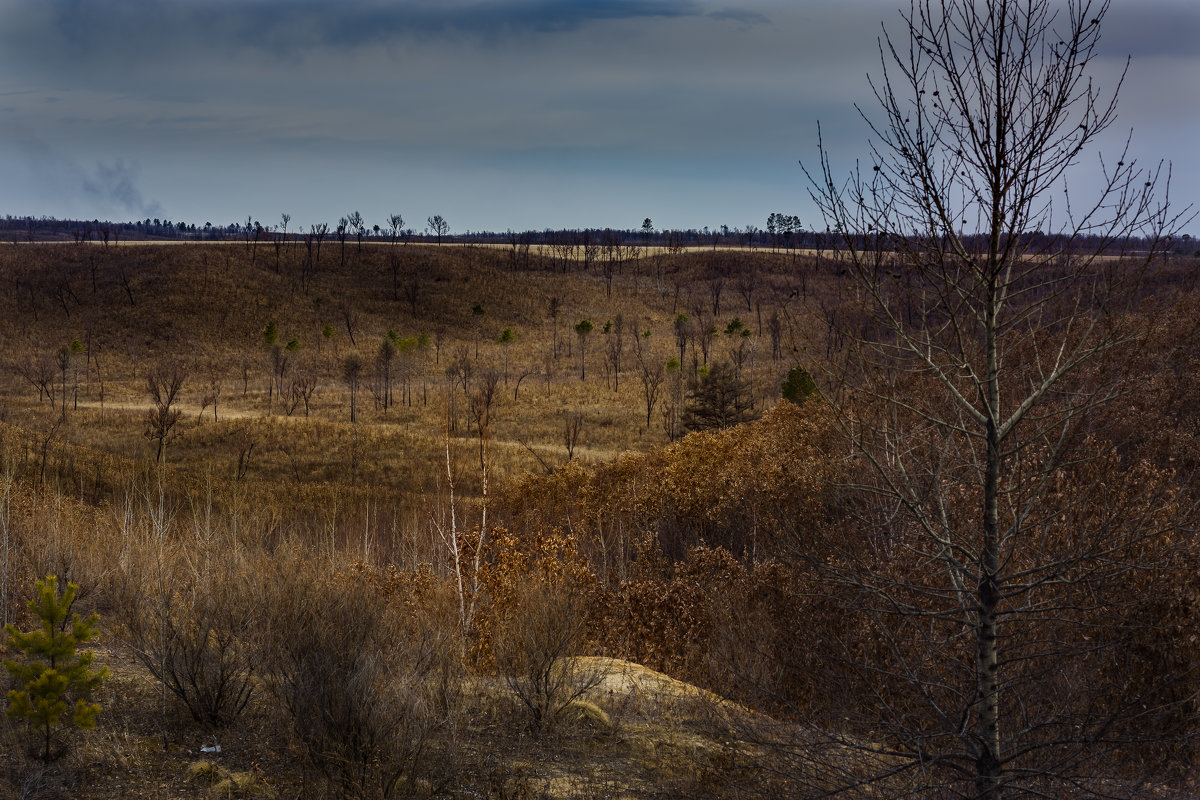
(495, 114)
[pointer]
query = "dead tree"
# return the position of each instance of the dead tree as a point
(572, 427)
(352, 368)
(651, 373)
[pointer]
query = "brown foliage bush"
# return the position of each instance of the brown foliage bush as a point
(737, 629)
(735, 489)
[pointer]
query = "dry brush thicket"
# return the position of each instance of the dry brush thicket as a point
(404, 605)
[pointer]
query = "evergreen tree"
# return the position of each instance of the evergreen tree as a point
(798, 386)
(719, 400)
(53, 671)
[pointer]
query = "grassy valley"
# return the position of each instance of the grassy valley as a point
(506, 576)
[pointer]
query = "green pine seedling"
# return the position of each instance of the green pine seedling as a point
(53, 672)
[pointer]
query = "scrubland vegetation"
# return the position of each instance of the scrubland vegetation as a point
(340, 604)
(428, 600)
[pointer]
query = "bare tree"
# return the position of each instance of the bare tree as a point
(553, 310)
(775, 331)
(682, 334)
(352, 369)
(213, 384)
(62, 359)
(342, 230)
(506, 340)
(482, 403)
(303, 387)
(747, 283)
(583, 329)
(280, 240)
(519, 244)
(650, 372)
(395, 226)
(312, 245)
(38, 372)
(383, 366)
(531, 371)
(412, 290)
(984, 607)
(163, 385)
(572, 427)
(355, 221)
(124, 279)
(438, 226)
(350, 318)
(614, 335)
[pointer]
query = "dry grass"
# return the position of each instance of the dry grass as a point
(205, 307)
(602, 749)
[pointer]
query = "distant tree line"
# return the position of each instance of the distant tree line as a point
(783, 232)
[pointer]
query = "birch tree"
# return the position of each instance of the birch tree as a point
(986, 605)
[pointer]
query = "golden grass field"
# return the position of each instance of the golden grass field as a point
(133, 308)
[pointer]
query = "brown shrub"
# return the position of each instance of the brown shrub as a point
(191, 622)
(361, 676)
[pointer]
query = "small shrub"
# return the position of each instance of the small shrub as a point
(535, 619)
(207, 772)
(535, 647)
(243, 784)
(798, 386)
(588, 714)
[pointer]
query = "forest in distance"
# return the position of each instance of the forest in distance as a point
(780, 232)
(904, 508)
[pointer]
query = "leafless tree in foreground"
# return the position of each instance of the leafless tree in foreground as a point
(989, 614)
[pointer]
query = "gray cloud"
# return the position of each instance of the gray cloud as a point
(745, 18)
(1165, 28)
(140, 31)
(110, 188)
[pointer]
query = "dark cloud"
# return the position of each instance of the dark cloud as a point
(110, 187)
(124, 31)
(1161, 29)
